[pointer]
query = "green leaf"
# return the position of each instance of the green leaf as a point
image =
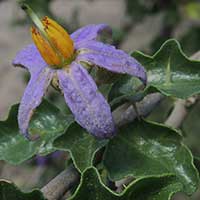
(126, 88)
(47, 120)
(170, 71)
(166, 106)
(151, 188)
(8, 191)
(105, 89)
(81, 145)
(146, 149)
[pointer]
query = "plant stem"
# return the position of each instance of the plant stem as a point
(178, 114)
(126, 113)
(60, 184)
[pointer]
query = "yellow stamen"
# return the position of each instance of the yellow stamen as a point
(46, 20)
(44, 48)
(58, 47)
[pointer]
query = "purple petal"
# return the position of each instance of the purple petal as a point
(89, 107)
(107, 56)
(89, 32)
(29, 58)
(32, 97)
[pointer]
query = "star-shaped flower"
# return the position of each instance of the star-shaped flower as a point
(58, 57)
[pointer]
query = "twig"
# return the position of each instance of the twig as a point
(126, 113)
(178, 114)
(66, 195)
(60, 184)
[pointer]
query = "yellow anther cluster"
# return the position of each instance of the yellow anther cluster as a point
(57, 47)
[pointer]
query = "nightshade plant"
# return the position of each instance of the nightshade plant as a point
(148, 159)
(58, 57)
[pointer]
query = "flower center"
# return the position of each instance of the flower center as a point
(52, 41)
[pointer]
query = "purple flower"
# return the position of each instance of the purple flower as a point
(57, 57)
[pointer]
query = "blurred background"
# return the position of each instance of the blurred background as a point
(137, 25)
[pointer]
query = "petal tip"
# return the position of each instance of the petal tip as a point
(107, 132)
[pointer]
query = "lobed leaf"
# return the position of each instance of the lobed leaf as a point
(147, 149)
(47, 120)
(170, 71)
(126, 88)
(81, 145)
(91, 187)
(8, 191)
